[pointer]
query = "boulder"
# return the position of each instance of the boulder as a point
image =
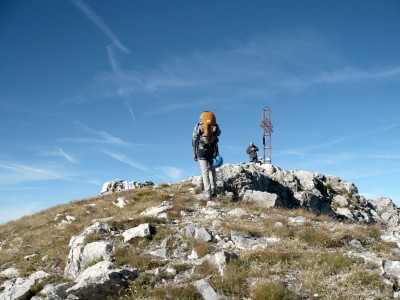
(386, 211)
(80, 253)
(99, 250)
(143, 230)
(20, 288)
(121, 202)
(206, 290)
(156, 211)
(10, 273)
(197, 232)
(272, 186)
(100, 281)
(262, 198)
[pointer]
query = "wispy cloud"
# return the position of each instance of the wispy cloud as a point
(173, 107)
(15, 173)
(344, 74)
(96, 20)
(60, 152)
(391, 156)
(107, 138)
(172, 173)
(263, 65)
(337, 141)
(98, 137)
(124, 159)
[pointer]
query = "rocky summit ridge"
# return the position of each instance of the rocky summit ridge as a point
(269, 234)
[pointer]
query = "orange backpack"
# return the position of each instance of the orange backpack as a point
(209, 124)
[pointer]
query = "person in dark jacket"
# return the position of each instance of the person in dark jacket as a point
(252, 152)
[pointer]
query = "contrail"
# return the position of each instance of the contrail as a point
(124, 159)
(130, 111)
(100, 23)
(111, 57)
(91, 15)
(66, 155)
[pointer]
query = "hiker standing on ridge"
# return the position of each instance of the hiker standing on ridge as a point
(252, 152)
(205, 149)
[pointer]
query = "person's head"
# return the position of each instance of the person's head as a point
(251, 144)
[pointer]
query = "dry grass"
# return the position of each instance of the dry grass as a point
(130, 256)
(234, 282)
(204, 269)
(180, 203)
(165, 292)
(201, 247)
(31, 234)
(319, 238)
(251, 228)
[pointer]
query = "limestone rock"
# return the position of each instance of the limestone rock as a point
(206, 290)
(121, 202)
(78, 256)
(19, 288)
(101, 280)
(262, 198)
(143, 230)
(197, 232)
(9, 273)
(156, 211)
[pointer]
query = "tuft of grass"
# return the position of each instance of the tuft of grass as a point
(180, 203)
(253, 229)
(93, 237)
(234, 282)
(163, 185)
(92, 262)
(166, 292)
(272, 256)
(149, 195)
(180, 268)
(186, 292)
(204, 269)
(273, 291)
(319, 238)
(130, 257)
(336, 262)
(201, 247)
(368, 280)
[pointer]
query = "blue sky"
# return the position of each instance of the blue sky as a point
(92, 91)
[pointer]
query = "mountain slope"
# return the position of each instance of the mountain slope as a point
(270, 234)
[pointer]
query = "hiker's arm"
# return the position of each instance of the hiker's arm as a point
(195, 137)
(194, 153)
(218, 131)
